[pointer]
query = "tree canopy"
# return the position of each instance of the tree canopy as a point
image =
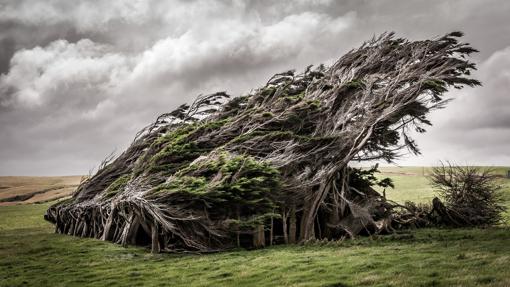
(273, 166)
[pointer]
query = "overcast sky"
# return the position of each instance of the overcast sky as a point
(79, 78)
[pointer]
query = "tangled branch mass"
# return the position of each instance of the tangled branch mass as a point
(273, 167)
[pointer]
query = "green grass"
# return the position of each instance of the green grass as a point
(32, 255)
(412, 184)
(409, 188)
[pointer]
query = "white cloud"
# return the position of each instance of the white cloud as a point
(123, 62)
(98, 95)
(41, 75)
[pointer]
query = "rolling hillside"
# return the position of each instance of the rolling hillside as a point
(29, 189)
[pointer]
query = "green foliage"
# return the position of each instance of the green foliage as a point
(434, 85)
(271, 136)
(386, 182)
(179, 148)
(437, 88)
(227, 183)
(174, 152)
(355, 84)
(117, 186)
(149, 160)
(313, 104)
(174, 136)
(269, 91)
(267, 115)
(366, 178)
(234, 106)
(185, 184)
(294, 98)
(213, 125)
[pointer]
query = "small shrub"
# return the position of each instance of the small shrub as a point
(472, 193)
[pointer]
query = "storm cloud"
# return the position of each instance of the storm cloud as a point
(79, 78)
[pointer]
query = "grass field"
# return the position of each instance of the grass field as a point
(412, 184)
(32, 255)
(32, 189)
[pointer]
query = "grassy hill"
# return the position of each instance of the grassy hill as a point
(35, 189)
(32, 255)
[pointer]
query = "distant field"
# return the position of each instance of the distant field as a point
(32, 255)
(30, 189)
(412, 184)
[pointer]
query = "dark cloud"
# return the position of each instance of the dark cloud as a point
(80, 78)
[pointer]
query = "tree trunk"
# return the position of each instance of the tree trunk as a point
(271, 232)
(107, 229)
(309, 213)
(334, 216)
(238, 233)
(258, 236)
(155, 240)
(292, 225)
(284, 227)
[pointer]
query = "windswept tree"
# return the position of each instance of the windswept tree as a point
(272, 166)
